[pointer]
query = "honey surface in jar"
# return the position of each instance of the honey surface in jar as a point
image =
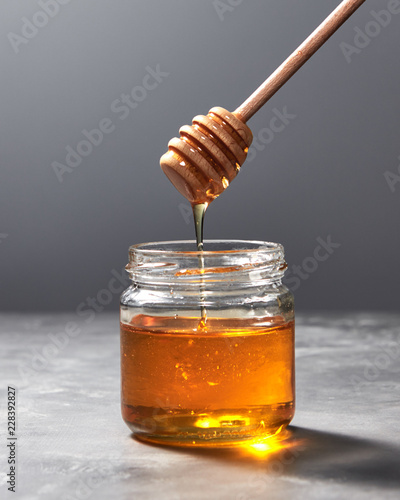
(232, 380)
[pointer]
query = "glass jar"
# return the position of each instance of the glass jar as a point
(207, 343)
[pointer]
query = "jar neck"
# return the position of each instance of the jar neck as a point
(224, 264)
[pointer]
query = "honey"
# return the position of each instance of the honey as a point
(229, 381)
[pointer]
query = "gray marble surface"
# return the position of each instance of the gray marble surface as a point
(72, 443)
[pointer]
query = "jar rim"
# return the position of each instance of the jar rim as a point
(160, 248)
(222, 261)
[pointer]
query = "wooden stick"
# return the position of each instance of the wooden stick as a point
(208, 155)
(296, 60)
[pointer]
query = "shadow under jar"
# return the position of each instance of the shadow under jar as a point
(207, 343)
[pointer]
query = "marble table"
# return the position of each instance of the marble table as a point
(73, 445)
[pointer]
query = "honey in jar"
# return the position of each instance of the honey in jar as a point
(207, 355)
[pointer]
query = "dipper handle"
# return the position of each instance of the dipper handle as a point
(296, 60)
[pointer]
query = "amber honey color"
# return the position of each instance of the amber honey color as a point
(230, 381)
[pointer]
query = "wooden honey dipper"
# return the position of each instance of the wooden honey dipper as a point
(208, 155)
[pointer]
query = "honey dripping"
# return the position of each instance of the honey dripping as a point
(202, 163)
(199, 211)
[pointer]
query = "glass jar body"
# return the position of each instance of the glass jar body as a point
(207, 344)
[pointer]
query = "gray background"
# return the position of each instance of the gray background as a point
(323, 175)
